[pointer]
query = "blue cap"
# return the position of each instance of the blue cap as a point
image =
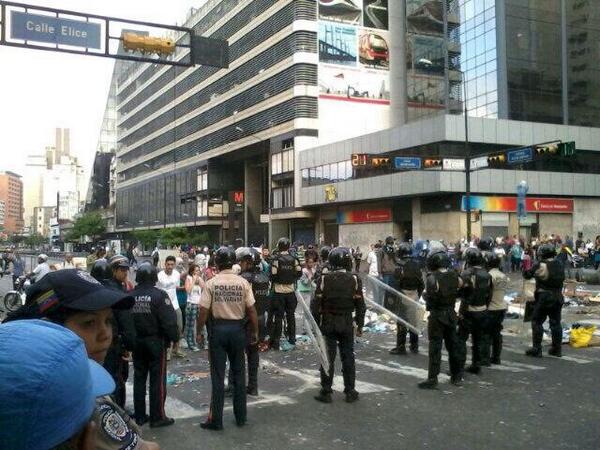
(49, 385)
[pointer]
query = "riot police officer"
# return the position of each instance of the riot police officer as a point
(486, 246)
(338, 295)
(496, 309)
(116, 361)
(549, 274)
(323, 266)
(228, 302)
(476, 294)
(249, 260)
(409, 280)
(156, 327)
(101, 271)
(285, 271)
(441, 292)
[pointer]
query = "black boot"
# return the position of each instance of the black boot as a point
(456, 380)
(429, 383)
(351, 396)
(162, 423)
(142, 420)
(535, 352)
(398, 351)
(555, 351)
(251, 390)
(323, 397)
(476, 370)
(208, 425)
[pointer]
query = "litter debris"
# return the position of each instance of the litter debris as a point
(581, 336)
(285, 346)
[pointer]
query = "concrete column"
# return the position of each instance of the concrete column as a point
(252, 203)
(416, 219)
(397, 20)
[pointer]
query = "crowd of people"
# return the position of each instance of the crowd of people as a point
(237, 301)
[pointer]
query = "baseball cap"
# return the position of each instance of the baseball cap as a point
(49, 385)
(118, 261)
(75, 289)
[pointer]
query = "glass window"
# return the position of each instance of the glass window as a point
(276, 164)
(326, 173)
(334, 172)
(202, 179)
(202, 207)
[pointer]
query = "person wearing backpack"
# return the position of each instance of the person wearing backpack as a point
(285, 271)
(409, 280)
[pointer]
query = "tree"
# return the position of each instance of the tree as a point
(35, 240)
(89, 224)
(171, 237)
(147, 238)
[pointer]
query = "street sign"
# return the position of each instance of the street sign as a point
(407, 163)
(479, 163)
(519, 156)
(453, 164)
(54, 30)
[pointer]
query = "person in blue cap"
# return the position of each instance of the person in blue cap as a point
(47, 375)
(77, 301)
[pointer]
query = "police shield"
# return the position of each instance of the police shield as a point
(314, 333)
(398, 306)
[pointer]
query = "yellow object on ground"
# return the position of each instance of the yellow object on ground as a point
(581, 337)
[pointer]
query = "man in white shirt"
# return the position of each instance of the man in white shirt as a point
(168, 280)
(42, 269)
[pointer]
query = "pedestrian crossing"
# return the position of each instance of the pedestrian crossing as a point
(299, 381)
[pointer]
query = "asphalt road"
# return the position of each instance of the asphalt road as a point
(546, 403)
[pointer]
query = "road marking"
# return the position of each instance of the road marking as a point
(520, 351)
(401, 369)
(311, 381)
(174, 407)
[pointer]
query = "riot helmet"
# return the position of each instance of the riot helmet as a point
(224, 258)
(485, 244)
(101, 270)
(283, 244)
(405, 250)
(340, 258)
(473, 257)
(546, 251)
(242, 253)
(325, 250)
(437, 258)
(389, 240)
(146, 274)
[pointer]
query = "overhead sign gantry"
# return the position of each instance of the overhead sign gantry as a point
(50, 29)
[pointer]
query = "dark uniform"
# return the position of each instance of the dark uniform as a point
(441, 292)
(124, 340)
(156, 327)
(338, 295)
(260, 288)
(409, 280)
(227, 301)
(549, 274)
(285, 271)
(477, 293)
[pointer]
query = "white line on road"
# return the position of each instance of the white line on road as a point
(398, 368)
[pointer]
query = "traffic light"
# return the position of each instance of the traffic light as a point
(147, 44)
(432, 163)
(567, 148)
(551, 149)
(497, 160)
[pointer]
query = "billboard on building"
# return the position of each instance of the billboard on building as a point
(354, 59)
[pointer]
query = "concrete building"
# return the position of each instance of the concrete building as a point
(231, 150)
(11, 193)
(55, 179)
(43, 216)
(2, 212)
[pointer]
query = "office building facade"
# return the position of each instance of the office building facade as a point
(11, 193)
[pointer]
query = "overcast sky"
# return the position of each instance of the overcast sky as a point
(41, 90)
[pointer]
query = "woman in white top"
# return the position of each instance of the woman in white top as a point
(194, 284)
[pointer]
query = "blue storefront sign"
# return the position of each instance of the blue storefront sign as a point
(521, 155)
(404, 163)
(54, 30)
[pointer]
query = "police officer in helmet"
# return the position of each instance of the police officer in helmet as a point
(409, 280)
(227, 303)
(486, 246)
(338, 295)
(476, 294)
(249, 260)
(285, 271)
(496, 309)
(156, 328)
(441, 291)
(549, 274)
(323, 266)
(101, 271)
(123, 331)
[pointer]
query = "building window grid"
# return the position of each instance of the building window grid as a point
(327, 173)
(282, 162)
(478, 57)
